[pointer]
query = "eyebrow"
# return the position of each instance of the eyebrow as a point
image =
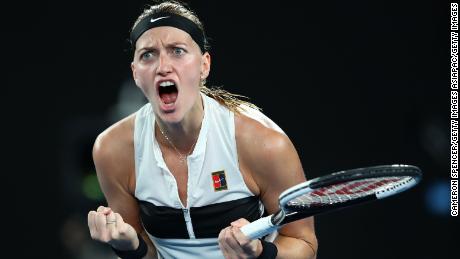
(169, 45)
(175, 43)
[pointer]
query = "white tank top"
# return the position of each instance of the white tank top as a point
(216, 191)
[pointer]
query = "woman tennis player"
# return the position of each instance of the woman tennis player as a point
(186, 171)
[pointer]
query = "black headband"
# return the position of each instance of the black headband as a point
(168, 19)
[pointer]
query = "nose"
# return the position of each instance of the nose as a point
(164, 65)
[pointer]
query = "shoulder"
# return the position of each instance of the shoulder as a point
(253, 134)
(113, 150)
(268, 157)
(257, 115)
(119, 135)
(115, 137)
(264, 151)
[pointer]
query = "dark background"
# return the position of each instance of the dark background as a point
(353, 83)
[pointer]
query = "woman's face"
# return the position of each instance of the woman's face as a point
(168, 67)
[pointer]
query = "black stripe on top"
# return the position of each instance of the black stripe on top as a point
(208, 221)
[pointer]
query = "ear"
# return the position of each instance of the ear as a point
(205, 65)
(133, 69)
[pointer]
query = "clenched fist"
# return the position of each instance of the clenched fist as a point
(108, 227)
(234, 244)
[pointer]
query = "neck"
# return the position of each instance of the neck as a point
(183, 134)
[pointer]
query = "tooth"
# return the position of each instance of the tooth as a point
(166, 83)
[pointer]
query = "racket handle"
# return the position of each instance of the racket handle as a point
(259, 228)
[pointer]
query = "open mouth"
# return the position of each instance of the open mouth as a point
(168, 92)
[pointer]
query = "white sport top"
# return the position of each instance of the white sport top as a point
(216, 191)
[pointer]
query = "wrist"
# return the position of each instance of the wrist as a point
(138, 251)
(126, 245)
(269, 250)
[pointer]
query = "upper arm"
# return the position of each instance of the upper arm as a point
(273, 163)
(113, 156)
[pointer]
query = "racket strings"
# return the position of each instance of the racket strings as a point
(343, 192)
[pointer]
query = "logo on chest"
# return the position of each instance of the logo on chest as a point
(219, 181)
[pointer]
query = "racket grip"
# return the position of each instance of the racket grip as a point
(259, 228)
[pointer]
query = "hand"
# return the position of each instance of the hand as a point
(234, 244)
(108, 227)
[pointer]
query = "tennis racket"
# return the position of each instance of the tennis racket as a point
(334, 191)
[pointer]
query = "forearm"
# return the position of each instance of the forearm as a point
(289, 247)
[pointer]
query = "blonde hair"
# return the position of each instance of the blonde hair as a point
(233, 102)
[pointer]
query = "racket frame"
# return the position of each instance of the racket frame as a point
(286, 214)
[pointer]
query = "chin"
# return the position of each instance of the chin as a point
(170, 117)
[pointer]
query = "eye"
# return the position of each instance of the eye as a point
(147, 55)
(178, 51)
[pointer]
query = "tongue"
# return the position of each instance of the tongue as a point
(168, 98)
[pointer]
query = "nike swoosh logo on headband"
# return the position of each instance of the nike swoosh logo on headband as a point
(156, 19)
